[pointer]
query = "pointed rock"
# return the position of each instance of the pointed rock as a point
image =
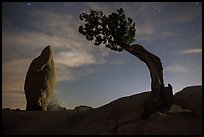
(40, 81)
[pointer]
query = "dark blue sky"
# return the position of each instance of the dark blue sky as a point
(94, 76)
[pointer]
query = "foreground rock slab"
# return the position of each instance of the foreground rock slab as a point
(119, 117)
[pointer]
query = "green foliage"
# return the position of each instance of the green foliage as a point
(110, 30)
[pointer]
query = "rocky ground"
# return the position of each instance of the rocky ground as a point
(121, 116)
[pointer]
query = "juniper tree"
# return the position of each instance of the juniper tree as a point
(117, 33)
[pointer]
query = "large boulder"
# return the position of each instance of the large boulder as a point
(40, 81)
(82, 108)
(190, 98)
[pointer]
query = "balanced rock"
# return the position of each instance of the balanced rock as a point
(40, 81)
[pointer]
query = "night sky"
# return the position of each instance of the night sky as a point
(94, 76)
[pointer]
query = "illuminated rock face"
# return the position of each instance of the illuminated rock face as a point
(40, 81)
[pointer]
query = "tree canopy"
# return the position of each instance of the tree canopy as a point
(111, 30)
(117, 33)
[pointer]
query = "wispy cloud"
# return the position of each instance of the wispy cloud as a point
(117, 62)
(191, 51)
(175, 69)
(74, 59)
(70, 50)
(145, 31)
(13, 76)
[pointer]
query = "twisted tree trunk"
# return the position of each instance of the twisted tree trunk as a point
(156, 100)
